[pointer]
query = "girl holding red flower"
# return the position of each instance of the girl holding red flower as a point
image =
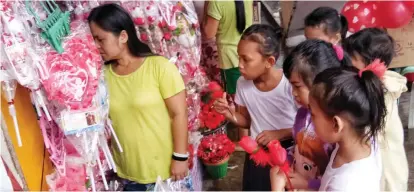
(265, 104)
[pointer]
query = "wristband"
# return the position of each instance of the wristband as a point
(181, 155)
(179, 158)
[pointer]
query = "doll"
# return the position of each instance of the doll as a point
(309, 161)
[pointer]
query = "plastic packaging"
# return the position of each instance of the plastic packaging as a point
(185, 184)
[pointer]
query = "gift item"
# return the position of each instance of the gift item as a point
(210, 119)
(171, 29)
(215, 151)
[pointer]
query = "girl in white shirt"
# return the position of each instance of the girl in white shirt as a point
(347, 108)
(265, 104)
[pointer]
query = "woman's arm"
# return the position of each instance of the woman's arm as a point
(177, 108)
(210, 27)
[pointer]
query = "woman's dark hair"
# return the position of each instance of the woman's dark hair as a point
(240, 16)
(371, 44)
(267, 37)
(360, 100)
(329, 20)
(312, 57)
(113, 18)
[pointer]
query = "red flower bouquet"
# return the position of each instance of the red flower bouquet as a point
(209, 118)
(215, 148)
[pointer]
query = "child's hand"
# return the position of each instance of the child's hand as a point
(298, 181)
(266, 136)
(277, 179)
(222, 106)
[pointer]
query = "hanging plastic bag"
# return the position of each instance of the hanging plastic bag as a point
(185, 184)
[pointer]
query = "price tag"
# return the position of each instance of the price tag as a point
(77, 121)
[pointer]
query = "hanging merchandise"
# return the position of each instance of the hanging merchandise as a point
(20, 62)
(56, 24)
(171, 29)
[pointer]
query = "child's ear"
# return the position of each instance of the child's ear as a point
(337, 38)
(338, 124)
(271, 61)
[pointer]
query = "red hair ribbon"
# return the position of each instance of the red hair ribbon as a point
(377, 67)
(339, 52)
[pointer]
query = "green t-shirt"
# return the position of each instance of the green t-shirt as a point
(141, 120)
(227, 35)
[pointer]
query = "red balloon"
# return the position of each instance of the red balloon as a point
(409, 4)
(360, 15)
(394, 14)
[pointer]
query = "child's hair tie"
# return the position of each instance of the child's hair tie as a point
(377, 67)
(339, 52)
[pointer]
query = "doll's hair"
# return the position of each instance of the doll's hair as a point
(313, 149)
(357, 98)
(312, 57)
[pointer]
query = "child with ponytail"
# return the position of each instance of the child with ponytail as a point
(325, 23)
(348, 109)
(365, 46)
(301, 66)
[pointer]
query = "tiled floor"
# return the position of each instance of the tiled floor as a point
(233, 181)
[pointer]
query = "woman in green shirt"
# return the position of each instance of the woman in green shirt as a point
(147, 102)
(226, 20)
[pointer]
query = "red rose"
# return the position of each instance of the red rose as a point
(196, 25)
(248, 144)
(214, 86)
(162, 24)
(139, 21)
(167, 36)
(217, 94)
(144, 37)
(150, 19)
(277, 153)
(172, 27)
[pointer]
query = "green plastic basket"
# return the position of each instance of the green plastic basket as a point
(218, 171)
(55, 26)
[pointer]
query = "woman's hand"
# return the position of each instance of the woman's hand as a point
(179, 169)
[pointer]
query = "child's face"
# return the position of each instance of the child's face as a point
(324, 125)
(299, 90)
(357, 61)
(252, 64)
(319, 33)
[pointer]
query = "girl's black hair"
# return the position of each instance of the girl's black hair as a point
(329, 20)
(360, 100)
(268, 37)
(312, 57)
(113, 18)
(240, 16)
(371, 44)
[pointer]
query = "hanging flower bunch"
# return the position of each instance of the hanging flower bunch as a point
(215, 148)
(209, 118)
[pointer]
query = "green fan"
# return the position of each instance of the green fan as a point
(55, 26)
